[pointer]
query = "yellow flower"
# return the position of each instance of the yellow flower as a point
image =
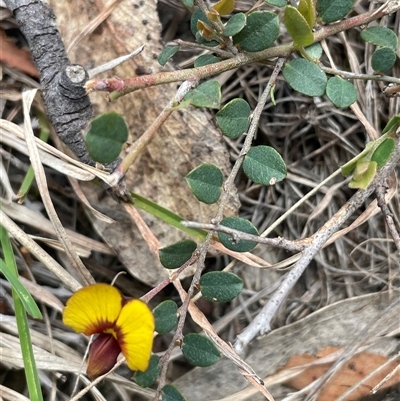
(122, 325)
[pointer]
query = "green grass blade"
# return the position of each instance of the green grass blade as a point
(166, 215)
(31, 373)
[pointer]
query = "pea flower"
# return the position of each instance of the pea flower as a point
(122, 325)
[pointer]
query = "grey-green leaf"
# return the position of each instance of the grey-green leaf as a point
(277, 3)
(108, 132)
(342, 93)
(260, 32)
(206, 59)
(232, 242)
(199, 350)
(235, 24)
(234, 118)
(220, 286)
(166, 316)
(175, 255)
(305, 77)
(167, 53)
(380, 36)
(150, 375)
(207, 94)
(264, 165)
(383, 59)
(171, 393)
(333, 10)
(205, 181)
(314, 50)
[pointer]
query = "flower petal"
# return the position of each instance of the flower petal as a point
(93, 309)
(103, 354)
(135, 330)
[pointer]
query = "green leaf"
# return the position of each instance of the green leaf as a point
(383, 59)
(207, 94)
(234, 118)
(232, 243)
(380, 36)
(306, 9)
(277, 3)
(220, 286)
(383, 152)
(165, 215)
(166, 316)
(166, 54)
(206, 59)
(392, 124)
(205, 181)
(235, 24)
(305, 77)
(187, 3)
(364, 173)
(341, 93)
(150, 375)
(108, 132)
(314, 50)
(298, 27)
(264, 165)
(261, 30)
(333, 10)
(171, 393)
(199, 350)
(175, 255)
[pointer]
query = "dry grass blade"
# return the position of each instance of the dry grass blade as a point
(41, 182)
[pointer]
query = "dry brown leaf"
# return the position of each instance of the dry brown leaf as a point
(14, 57)
(187, 139)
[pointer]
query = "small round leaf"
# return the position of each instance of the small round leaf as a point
(261, 30)
(150, 375)
(264, 165)
(380, 36)
(383, 59)
(305, 77)
(220, 286)
(205, 181)
(383, 152)
(235, 24)
(234, 118)
(333, 10)
(199, 350)
(207, 94)
(175, 255)
(298, 27)
(277, 3)
(206, 59)
(166, 54)
(108, 132)
(234, 244)
(166, 316)
(314, 50)
(341, 93)
(171, 393)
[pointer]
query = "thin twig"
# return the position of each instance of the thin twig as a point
(294, 246)
(380, 196)
(261, 324)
